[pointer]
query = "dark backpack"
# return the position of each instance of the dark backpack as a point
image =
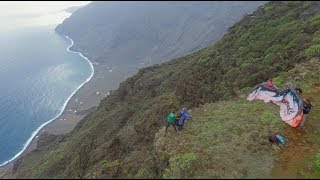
(273, 139)
(299, 90)
(307, 107)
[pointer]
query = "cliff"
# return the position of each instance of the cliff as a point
(135, 33)
(227, 137)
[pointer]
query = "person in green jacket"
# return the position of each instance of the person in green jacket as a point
(171, 121)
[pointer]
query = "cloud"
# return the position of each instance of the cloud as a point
(21, 14)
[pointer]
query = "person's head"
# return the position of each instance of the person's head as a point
(307, 100)
(184, 109)
(270, 79)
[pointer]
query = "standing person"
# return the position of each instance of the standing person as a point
(306, 109)
(183, 117)
(270, 83)
(170, 121)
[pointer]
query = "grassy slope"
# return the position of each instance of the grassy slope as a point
(121, 137)
(229, 139)
(300, 157)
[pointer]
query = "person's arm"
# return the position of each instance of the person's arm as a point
(188, 116)
(275, 86)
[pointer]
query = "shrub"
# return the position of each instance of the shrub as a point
(312, 51)
(104, 163)
(314, 23)
(243, 50)
(268, 57)
(268, 8)
(179, 165)
(204, 60)
(278, 81)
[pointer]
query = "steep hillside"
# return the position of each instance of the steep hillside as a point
(129, 33)
(121, 37)
(228, 139)
(123, 138)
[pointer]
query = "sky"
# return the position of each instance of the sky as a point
(21, 14)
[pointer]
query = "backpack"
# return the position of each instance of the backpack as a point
(281, 139)
(273, 139)
(307, 107)
(276, 139)
(299, 90)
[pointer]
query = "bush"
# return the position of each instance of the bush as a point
(204, 60)
(268, 57)
(312, 51)
(314, 23)
(179, 165)
(104, 163)
(268, 8)
(278, 81)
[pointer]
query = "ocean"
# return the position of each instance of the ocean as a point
(38, 75)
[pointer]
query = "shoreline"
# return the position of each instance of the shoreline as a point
(30, 142)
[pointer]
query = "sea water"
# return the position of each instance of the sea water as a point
(38, 75)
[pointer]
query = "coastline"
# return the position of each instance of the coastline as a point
(82, 102)
(31, 143)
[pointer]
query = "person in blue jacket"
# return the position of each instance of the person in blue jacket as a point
(183, 116)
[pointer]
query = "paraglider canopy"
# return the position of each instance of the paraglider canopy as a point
(289, 101)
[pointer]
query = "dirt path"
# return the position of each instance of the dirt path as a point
(296, 159)
(293, 160)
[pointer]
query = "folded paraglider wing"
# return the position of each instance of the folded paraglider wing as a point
(265, 93)
(289, 100)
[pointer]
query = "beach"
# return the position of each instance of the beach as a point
(77, 106)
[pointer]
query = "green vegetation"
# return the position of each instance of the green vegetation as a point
(278, 81)
(126, 34)
(104, 163)
(306, 143)
(313, 51)
(317, 164)
(227, 137)
(180, 165)
(261, 47)
(269, 118)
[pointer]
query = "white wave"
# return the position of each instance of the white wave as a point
(25, 145)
